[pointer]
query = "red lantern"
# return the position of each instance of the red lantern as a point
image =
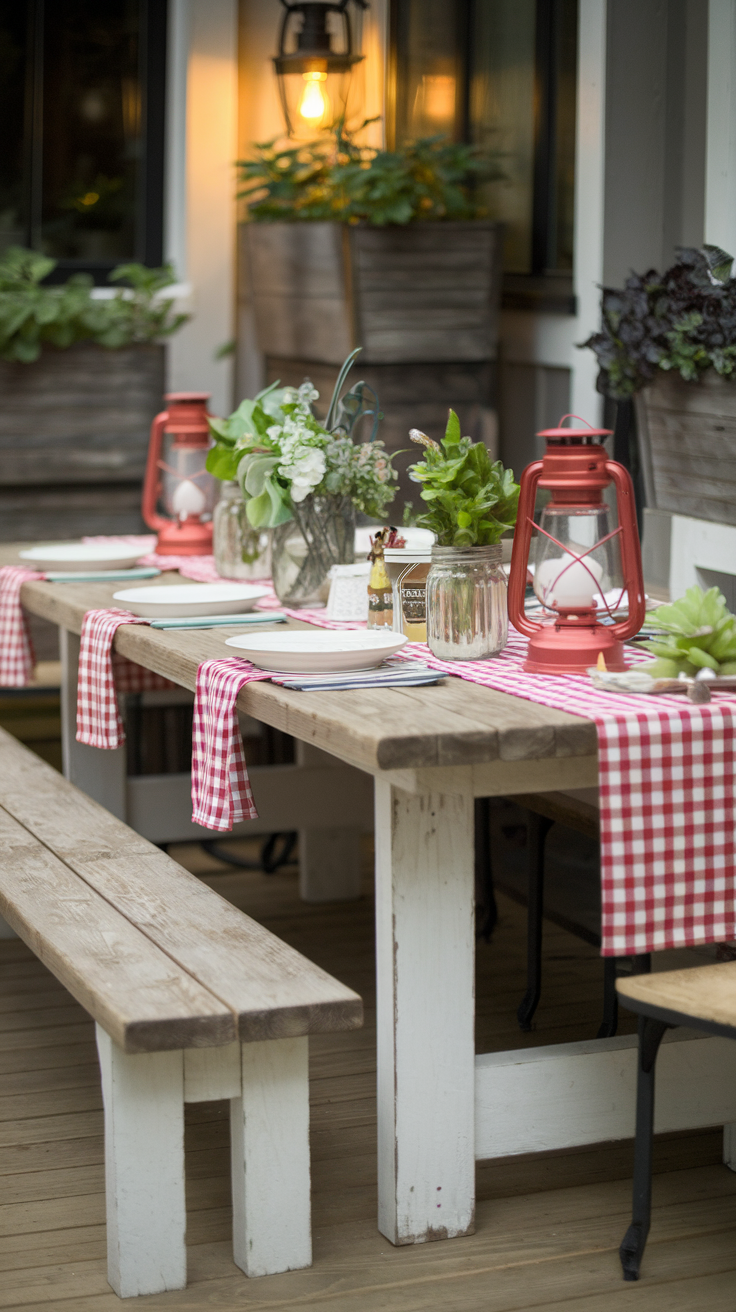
(176, 477)
(583, 563)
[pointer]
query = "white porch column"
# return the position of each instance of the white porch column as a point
(589, 201)
(720, 169)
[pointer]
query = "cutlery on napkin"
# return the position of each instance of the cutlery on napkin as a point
(385, 676)
(214, 621)
(102, 575)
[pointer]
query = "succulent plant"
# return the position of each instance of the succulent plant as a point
(699, 633)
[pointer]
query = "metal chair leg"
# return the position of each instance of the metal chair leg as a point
(485, 895)
(634, 1241)
(539, 827)
(640, 965)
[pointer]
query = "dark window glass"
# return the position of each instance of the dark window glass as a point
(83, 181)
(501, 73)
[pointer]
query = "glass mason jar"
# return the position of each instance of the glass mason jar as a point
(467, 614)
(321, 534)
(241, 551)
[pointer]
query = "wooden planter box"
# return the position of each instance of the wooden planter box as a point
(73, 440)
(687, 439)
(427, 292)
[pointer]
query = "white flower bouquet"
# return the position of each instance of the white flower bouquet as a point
(280, 453)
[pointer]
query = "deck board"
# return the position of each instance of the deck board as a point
(548, 1226)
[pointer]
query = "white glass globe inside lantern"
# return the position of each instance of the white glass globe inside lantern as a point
(576, 561)
(186, 487)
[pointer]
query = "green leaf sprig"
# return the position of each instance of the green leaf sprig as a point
(471, 499)
(699, 633)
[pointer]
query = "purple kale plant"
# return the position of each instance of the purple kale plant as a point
(683, 319)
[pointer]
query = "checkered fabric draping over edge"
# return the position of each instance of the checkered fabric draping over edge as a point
(102, 674)
(16, 649)
(221, 792)
(667, 781)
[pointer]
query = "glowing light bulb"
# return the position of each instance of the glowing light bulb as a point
(313, 105)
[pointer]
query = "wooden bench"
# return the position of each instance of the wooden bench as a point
(701, 998)
(193, 1001)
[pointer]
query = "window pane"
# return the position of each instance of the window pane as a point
(92, 146)
(502, 115)
(429, 92)
(12, 95)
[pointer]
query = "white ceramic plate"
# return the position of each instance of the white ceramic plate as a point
(317, 651)
(82, 557)
(166, 602)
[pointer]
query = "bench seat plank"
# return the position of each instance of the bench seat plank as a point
(133, 989)
(705, 993)
(271, 988)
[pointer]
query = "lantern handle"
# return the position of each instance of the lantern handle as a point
(152, 481)
(630, 552)
(520, 550)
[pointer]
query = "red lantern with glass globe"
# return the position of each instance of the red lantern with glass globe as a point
(176, 479)
(583, 561)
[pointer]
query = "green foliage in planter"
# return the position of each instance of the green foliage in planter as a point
(683, 319)
(472, 499)
(699, 633)
(33, 315)
(337, 180)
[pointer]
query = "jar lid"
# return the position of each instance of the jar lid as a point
(408, 555)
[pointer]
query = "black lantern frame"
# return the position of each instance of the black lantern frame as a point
(319, 99)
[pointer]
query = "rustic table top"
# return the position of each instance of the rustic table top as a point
(455, 723)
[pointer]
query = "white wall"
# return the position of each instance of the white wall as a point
(720, 189)
(200, 217)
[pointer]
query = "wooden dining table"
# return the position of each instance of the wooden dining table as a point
(412, 761)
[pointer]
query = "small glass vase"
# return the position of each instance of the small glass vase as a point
(321, 534)
(241, 551)
(467, 613)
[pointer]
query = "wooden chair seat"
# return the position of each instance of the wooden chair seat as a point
(703, 998)
(193, 1001)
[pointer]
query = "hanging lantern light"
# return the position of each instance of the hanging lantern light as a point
(583, 561)
(176, 481)
(314, 80)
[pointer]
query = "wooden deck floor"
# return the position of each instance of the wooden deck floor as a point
(548, 1227)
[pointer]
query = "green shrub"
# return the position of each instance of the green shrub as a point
(335, 179)
(34, 315)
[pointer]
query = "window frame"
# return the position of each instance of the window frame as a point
(149, 219)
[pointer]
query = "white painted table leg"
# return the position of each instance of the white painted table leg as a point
(425, 1003)
(269, 1137)
(144, 1169)
(329, 859)
(100, 774)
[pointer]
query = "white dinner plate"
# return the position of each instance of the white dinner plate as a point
(167, 602)
(317, 651)
(85, 557)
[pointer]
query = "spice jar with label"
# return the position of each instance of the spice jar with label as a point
(407, 569)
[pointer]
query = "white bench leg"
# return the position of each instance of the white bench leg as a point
(269, 1136)
(144, 1169)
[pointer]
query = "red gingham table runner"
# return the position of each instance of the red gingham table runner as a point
(667, 783)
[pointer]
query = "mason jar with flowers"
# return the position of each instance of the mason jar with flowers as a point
(471, 502)
(305, 480)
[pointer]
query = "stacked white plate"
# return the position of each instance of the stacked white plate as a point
(81, 557)
(317, 651)
(180, 602)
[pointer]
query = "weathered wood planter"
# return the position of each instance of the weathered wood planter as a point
(687, 437)
(422, 301)
(73, 440)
